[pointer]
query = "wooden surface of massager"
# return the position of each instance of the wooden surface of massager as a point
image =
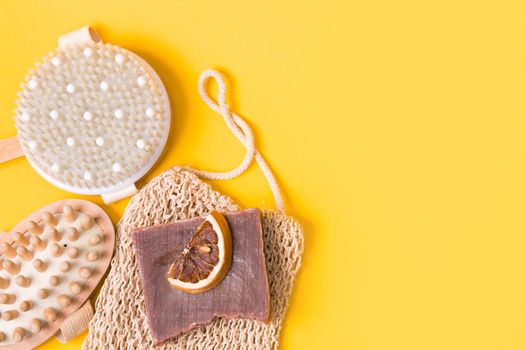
(50, 263)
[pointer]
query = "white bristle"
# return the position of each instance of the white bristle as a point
(118, 113)
(119, 58)
(150, 112)
(92, 96)
(117, 167)
(56, 61)
(88, 52)
(104, 86)
(32, 145)
(33, 84)
(141, 81)
(88, 116)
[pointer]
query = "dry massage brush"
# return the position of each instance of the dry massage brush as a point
(92, 118)
(50, 263)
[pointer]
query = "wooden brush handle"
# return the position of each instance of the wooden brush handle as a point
(82, 36)
(10, 149)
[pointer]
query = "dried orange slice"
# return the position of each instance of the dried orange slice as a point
(206, 259)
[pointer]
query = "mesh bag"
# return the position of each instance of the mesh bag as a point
(176, 194)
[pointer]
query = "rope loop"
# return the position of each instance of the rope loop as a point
(242, 132)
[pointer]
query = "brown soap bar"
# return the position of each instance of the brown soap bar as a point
(244, 292)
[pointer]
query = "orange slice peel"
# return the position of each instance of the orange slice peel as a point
(206, 260)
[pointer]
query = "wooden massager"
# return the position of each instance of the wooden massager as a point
(50, 263)
(92, 118)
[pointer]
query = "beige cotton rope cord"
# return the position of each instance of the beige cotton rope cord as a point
(242, 131)
(177, 194)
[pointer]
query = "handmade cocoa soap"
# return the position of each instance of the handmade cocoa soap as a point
(244, 292)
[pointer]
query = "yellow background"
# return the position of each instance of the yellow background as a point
(396, 129)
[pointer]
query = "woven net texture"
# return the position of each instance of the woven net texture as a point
(177, 194)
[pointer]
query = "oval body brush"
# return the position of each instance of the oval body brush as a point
(50, 264)
(92, 118)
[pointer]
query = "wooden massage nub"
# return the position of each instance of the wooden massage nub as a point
(49, 265)
(92, 118)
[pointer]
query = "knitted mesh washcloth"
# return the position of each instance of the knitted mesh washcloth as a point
(178, 194)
